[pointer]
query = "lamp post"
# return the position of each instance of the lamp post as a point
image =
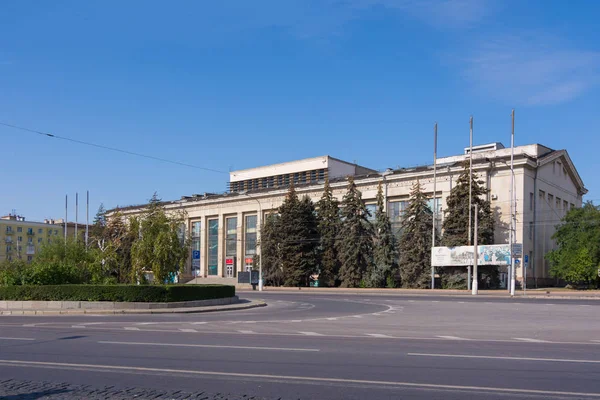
(260, 279)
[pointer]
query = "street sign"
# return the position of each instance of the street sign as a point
(517, 261)
(195, 254)
(517, 250)
(526, 258)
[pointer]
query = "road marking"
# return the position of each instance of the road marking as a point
(131, 328)
(146, 323)
(212, 346)
(15, 338)
(77, 326)
(331, 319)
(531, 340)
(411, 301)
(461, 302)
(435, 301)
(311, 333)
(453, 338)
(188, 330)
(199, 323)
(378, 335)
(357, 316)
(247, 332)
(507, 358)
(248, 322)
(296, 320)
(311, 379)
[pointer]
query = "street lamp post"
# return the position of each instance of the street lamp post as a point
(260, 279)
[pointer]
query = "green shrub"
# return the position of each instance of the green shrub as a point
(117, 293)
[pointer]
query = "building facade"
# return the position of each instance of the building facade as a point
(22, 239)
(224, 228)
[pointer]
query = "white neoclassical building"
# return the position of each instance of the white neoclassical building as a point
(225, 227)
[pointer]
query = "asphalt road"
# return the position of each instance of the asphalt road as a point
(305, 346)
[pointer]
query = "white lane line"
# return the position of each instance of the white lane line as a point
(292, 378)
(566, 360)
(411, 301)
(452, 338)
(296, 320)
(247, 332)
(357, 316)
(131, 328)
(311, 333)
(212, 346)
(15, 338)
(199, 323)
(248, 322)
(77, 326)
(531, 340)
(188, 330)
(145, 323)
(379, 335)
(461, 302)
(331, 319)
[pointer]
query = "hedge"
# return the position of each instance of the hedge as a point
(117, 293)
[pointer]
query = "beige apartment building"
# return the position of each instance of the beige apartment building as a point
(224, 228)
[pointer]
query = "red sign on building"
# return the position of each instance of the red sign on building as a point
(229, 261)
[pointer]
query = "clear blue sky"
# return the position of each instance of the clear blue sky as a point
(237, 84)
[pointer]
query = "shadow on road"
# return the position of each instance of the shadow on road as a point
(35, 395)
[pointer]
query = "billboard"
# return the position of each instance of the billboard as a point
(494, 254)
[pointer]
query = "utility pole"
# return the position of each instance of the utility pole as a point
(513, 206)
(434, 201)
(470, 191)
(475, 255)
(76, 213)
(87, 217)
(66, 215)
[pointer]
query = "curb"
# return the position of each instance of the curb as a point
(188, 310)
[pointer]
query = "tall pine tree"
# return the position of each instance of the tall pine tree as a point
(355, 246)
(456, 231)
(299, 239)
(384, 266)
(271, 255)
(328, 215)
(456, 215)
(415, 242)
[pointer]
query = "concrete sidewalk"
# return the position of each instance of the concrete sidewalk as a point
(555, 293)
(229, 307)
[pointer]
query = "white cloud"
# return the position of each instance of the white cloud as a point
(537, 72)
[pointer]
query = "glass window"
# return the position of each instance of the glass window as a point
(271, 182)
(40, 240)
(558, 203)
(49, 231)
(321, 174)
(56, 231)
(40, 231)
(303, 177)
(372, 209)
(29, 258)
(19, 229)
(286, 179)
(313, 176)
(550, 200)
(195, 248)
(280, 180)
(565, 206)
(296, 177)
(396, 210)
(250, 235)
(231, 237)
(20, 239)
(213, 246)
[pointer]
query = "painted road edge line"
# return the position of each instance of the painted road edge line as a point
(15, 338)
(505, 358)
(212, 346)
(120, 368)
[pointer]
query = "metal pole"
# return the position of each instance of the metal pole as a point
(76, 213)
(475, 284)
(87, 217)
(66, 215)
(512, 206)
(470, 172)
(259, 218)
(434, 201)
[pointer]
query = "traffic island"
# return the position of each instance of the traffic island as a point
(119, 299)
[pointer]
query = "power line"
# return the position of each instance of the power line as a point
(115, 149)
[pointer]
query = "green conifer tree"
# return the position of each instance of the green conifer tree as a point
(328, 215)
(385, 251)
(415, 242)
(355, 247)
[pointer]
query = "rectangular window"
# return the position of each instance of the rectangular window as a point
(56, 232)
(372, 209)
(530, 201)
(231, 237)
(8, 249)
(286, 179)
(321, 174)
(30, 231)
(40, 240)
(29, 240)
(531, 230)
(9, 229)
(40, 231)
(213, 246)
(558, 202)
(396, 209)
(49, 231)
(565, 206)
(303, 177)
(572, 206)
(196, 236)
(19, 229)
(250, 235)
(20, 239)
(296, 178)
(313, 176)
(255, 184)
(29, 258)
(550, 200)
(270, 182)
(263, 183)
(280, 180)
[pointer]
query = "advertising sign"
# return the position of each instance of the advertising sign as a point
(495, 254)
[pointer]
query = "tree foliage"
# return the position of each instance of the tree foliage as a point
(385, 247)
(577, 256)
(456, 218)
(415, 242)
(299, 239)
(160, 245)
(328, 215)
(271, 254)
(355, 247)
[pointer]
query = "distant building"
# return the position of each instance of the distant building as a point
(22, 239)
(224, 228)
